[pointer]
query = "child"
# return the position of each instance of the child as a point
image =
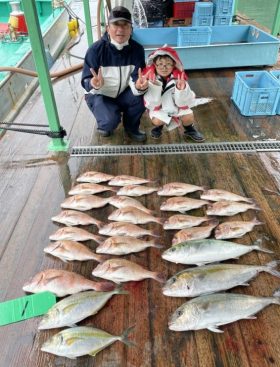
(169, 96)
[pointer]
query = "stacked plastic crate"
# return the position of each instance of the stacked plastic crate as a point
(223, 12)
(256, 93)
(183, 9)
(203, 14)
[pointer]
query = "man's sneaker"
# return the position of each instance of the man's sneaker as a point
(137, 135)
(104, 133)
(156, 132)
(192, 133)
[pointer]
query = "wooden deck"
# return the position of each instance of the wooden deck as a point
(35, 182)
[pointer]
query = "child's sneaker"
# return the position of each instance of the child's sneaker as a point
(192, 133)
(156, 132)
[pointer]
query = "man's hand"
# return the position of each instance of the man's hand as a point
(181, 82)
(142, 81)
(97, 80)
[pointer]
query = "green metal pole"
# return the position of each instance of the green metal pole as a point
(102, 16)
(276, 21)
(88, 22)
(235, 7)
(39, 56)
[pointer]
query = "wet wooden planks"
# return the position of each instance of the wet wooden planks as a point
(34, 183)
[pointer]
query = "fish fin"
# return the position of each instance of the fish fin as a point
(63, 259)
(277, 293)
(120, 290)
(260, 248)
(245, 284)
(124, 336)
(101, 258)
(257, 222)
(160, 277)
(269, 268)
(94, 352)
(155, 233)
(160, 220)
(69, 308)
(251, 317)
(182, 211)
(215, 329)
(157, 245)
(99, 239)
(72, 325)
(116, 267)
(72, 340)
(98, 223)
(48, 280)
(104, 286)
(270, 192)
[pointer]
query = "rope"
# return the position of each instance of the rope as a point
(52, 134)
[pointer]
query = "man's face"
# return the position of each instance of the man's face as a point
(119, 31)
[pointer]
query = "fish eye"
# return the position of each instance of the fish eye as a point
(172, 249)
(179, 313)
(173, 280)
(188, 287)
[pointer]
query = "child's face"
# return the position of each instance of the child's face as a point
(164, 66)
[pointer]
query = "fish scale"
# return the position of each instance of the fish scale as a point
(200, 280)
(211, 311)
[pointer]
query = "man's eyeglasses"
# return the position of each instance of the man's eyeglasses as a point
(168, 65)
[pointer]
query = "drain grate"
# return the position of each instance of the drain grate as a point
(158, 149)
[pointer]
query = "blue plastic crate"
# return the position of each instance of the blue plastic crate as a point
(184, 1)
(256, 93)
(222, 20)
(203, 9)
(193, 36)
(276, 74)
(200, 20)
(223, 7)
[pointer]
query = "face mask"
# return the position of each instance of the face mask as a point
(119, 46)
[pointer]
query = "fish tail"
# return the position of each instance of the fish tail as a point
(256, 221)
(255, 206)
(98, 223)
(276, 294)
(160, 220)
(156, 245)
(100, 258)
(269, 268)
(155, 233)
(152, 212)
(98, 239)
(213, 222)
(120, 290)
(104, 286)
(160, 277)
(124, 337)
(262, 249)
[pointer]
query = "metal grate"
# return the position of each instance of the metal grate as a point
(221, 147)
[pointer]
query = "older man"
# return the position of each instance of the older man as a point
(112, 78)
